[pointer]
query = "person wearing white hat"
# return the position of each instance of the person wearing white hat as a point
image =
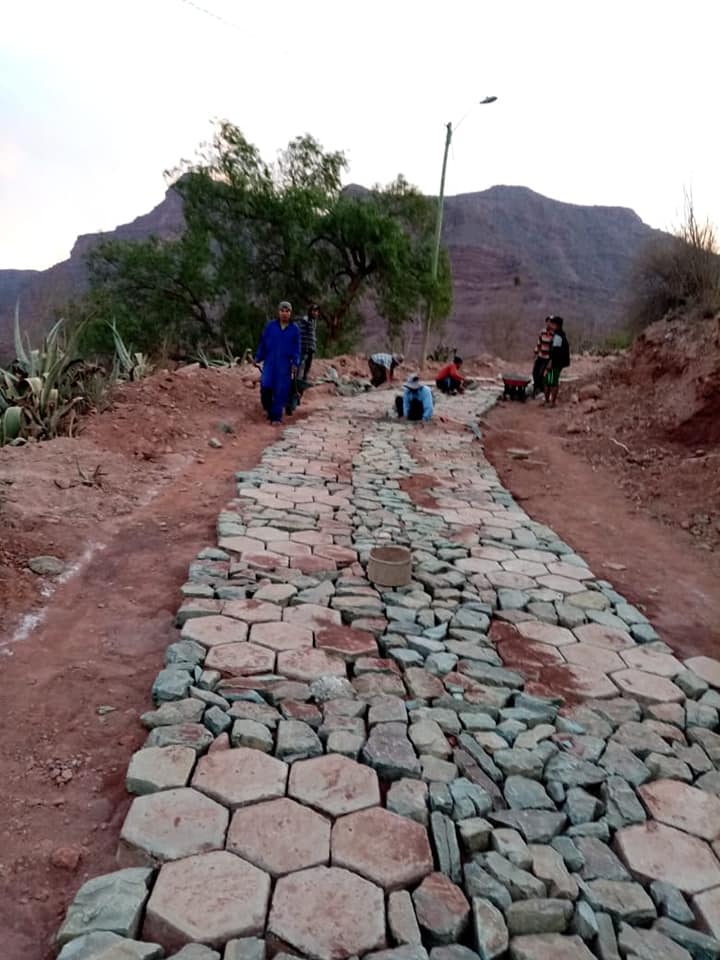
(416, 403)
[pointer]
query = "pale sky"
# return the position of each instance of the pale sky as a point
(598, 103)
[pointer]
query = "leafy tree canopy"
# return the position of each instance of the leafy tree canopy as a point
(258, 232)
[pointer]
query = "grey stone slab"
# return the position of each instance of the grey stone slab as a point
(112, 903)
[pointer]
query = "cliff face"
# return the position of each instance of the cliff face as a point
(516, 256)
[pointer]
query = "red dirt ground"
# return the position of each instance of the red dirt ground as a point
(104, 631)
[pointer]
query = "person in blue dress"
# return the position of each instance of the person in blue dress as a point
(279, 353)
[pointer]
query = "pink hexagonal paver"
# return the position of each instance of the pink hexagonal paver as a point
(545, 633)
(240, 776)
(312, 615)
(334, 784)
(214, 630)
(311, 565)
(241, 544)
(571, 680)
(654, 851)
(477, 565)
(561, 584)
(593, 658)
(292, 549)
(601, 636)
(280, 836)
(328, 914)
(311, 537)
(707, 668)
(663, 664)
(268, 534)
(569, 570)
(341, 555)
(267, 560)
(169, 825)
(388, 849)
(346, 643)
(648, 687)
(240, 659)
(281, 636)
(185, 905)
(687, 808)
(513, 581)
(252, 611)
(308, 664)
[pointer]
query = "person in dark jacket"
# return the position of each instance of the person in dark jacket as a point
(279, 353)
(308, 339)
(558, 360)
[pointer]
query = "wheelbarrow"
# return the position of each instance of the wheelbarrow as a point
(515, 386)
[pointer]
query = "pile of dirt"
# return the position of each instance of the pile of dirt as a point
(653, 417)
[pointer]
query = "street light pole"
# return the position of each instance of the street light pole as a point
(435, 262)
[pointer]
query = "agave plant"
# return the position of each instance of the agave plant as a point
(130, 365)
(39, 394)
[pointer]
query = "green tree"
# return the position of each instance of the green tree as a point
(257, 232)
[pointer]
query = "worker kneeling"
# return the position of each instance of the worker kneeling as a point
(416, 402)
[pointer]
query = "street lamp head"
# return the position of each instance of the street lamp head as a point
(488, 100)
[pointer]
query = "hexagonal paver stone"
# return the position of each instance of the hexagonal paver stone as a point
(211, 631)
(593, 658)
(312, 615)
(654, 851)
(207, 899)
(308, 664)
(328, 914)
(707, 668)
(346, 642)
(112, 902)
(281, 636)
(572, 681)
(280, 836)
(546, 633)
(663, 664)
(601, 636)
(678, 805)
(159, 768)
(252, 611)
(169, 825)
(240, 776)
(240, 659)
(570, 570)
(561, 584)
(384, 847)
(647, 687)
(334, 784)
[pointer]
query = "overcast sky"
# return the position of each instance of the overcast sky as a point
(599, 103)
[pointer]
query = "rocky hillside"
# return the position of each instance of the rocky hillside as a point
(516, 256)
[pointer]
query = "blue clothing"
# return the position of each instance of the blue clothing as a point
(278, 351)
(424, 395)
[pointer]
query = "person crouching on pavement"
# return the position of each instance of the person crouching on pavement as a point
(416, 402)
(382, 367)
(449, 379)
(279, 353)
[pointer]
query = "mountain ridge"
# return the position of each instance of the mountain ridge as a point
(516, 255)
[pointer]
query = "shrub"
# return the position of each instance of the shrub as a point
(678, 271)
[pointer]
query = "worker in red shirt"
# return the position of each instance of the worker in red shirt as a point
(449, 379)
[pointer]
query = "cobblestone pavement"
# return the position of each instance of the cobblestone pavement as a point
(500, 759)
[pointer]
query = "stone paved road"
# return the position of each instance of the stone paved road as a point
(500, 759)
